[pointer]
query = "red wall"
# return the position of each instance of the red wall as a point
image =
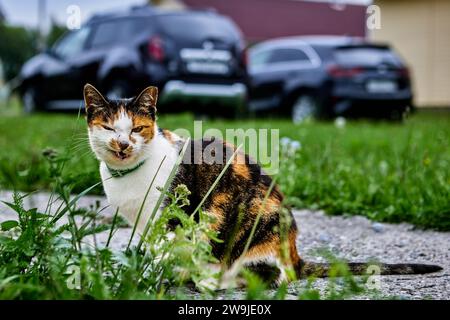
(263, 19)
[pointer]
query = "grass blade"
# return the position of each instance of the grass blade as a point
(143, 203)
(74, 201)
(111, 231)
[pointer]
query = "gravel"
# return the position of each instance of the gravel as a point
(356, 238)
(353, 238)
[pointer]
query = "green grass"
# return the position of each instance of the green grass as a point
(385, 171)
(43, 256)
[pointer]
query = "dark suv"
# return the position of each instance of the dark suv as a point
(328, 76)
(190, 55)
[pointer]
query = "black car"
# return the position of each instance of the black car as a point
(328, 76)
(190, 55)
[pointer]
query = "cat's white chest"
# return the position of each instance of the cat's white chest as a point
(128, 192)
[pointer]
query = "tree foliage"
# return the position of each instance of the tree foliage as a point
(17, 45)
(56, 31)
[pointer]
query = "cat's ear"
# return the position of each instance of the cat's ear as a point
(93, 98)
(146, 100)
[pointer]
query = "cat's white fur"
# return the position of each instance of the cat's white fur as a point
(128, 192)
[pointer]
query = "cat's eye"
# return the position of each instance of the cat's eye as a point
(137, 129)
(107, 128)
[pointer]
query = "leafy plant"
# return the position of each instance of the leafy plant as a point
(54, 254)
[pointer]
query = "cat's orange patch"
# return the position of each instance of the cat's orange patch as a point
(271, 247)
(114, 145)
(293, 253)
(98, 122)
(240, 168)
(271, 205)
(168, 135)
(217, 210)
(149, 126)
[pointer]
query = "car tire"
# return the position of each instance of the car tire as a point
(303, 108)
(241, 110)
(118, 89)
(399, 115)
(29, 100)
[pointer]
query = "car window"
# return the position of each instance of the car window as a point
(366, 56)
(287, 55)
(260, 58)
(278, 58)
(198, 26)
(110, 33)
(72, 44)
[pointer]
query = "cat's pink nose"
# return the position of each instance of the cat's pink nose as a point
(123, 145)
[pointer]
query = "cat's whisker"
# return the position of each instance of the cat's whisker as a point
(81, 138)
(76, 141)
(78, 151)
(80, 141)
(89, 152)
(79, 146)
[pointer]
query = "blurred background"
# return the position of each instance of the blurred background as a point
(288, 57)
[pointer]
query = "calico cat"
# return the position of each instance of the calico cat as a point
(125, 137)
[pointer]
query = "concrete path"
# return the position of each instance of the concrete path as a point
(353, 238)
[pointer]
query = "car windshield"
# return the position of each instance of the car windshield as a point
(71, 44)
(366, 56)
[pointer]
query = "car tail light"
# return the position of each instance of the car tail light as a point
(156, 48)
(245, 57)
(340, 72)
(404, 72)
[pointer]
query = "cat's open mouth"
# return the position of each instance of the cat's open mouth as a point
(121, 155)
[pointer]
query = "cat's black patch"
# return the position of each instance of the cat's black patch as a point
(199, 178)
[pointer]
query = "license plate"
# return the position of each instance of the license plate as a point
(207, 67)
(382, 86)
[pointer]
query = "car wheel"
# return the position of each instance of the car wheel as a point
(118, 90)
(241, 110)
(398, 115)
(29, 100)
(304, 107)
